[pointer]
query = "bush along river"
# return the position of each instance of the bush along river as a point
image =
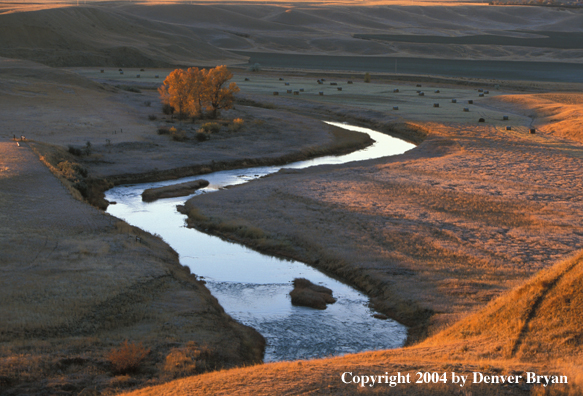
(254, 288)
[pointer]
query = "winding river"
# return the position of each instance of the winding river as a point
(252, 287)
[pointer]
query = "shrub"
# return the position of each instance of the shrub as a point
(152, 117)
(201, 136)
(178, 136)
(127, 358)
(367, 77)
(189, 360)
(75, 151)
(211, 127)
(128, 88)
(236, 125)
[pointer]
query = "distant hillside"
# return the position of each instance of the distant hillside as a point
(91, 36)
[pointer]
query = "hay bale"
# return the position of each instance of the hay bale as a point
(349, 82)
(289, 91)
(481, 120)
(505, 118)
(286, 83)
(437, 91)
(121, 72)
(454, 101)
(301, 90)
(275, 93)
(296, 92)
(435, 104)
(321, 93)
(137, 76)
(156, 76)
(340, 88)
(470, 101)
(481, 95)
(246, 79)
(320, 82)
(396, 90)
(466, 109)
(333, 83)
(307, 294)
(480, 90)
(418, 85)
(280, 79)
(176, 190)
(421, 93)
(486, 92)
(532, 131)
(508, 128)
(103, 71)
(395, 107)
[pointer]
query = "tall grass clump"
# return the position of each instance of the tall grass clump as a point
(127, 358)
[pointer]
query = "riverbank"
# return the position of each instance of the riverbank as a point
(77, 282)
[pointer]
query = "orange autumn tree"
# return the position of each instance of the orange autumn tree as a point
(220, 97)
(192, 91)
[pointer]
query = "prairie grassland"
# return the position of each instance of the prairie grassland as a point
(77, 282)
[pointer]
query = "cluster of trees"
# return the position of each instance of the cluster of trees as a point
(198, 92)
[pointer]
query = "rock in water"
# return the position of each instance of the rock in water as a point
(307, 294)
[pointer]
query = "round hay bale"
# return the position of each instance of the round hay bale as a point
(246, 79)
(321, 93)
(349, 82)
(532, 131)
(275, 93)
(470, 101)
(454, 101)
(103, 71)
(286, 83)
(137, 76)
(395, 107)
(120, 72)
(280, 79)
(508, 128)
(396, 90)
(289, 91)
(466, 109)
(333, 83)
(436, 91)
(296, 92)
(481, 95)
(505, 118)
(421, 93)
(418, 85)
(480, 90)
(340, 88)
(481, 120)
(156, 76)
(486, 92)
(301, 90)
(435, 104)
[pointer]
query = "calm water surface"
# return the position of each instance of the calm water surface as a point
(252, 287)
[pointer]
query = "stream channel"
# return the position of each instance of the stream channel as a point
(254, 288)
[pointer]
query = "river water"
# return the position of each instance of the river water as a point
(254, 288)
